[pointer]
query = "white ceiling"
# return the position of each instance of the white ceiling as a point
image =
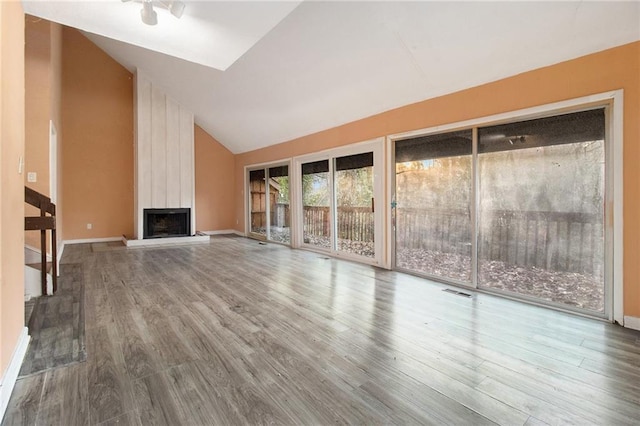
(210, 33)
(295, 69)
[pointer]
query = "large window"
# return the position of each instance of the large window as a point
(529, 216)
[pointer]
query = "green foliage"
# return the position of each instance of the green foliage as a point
(315, 189)
(283, 194)
(354, 187)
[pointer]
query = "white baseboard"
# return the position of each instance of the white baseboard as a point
(60, 251)
(201, 239)
(223, 232)
(632, 322)
(92, 240)
(10, 376)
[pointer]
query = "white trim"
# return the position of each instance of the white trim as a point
(617, 143)
(10, 376)
(632, 322)
(474, 209)
(524, 113)
(375, 145)
(246, 193)
(295, 200)
(389, 234)
(60, 251)
(615, 219)
(246, 216)
(203, 239)
(267, 164)
(53, 162)
(223, 232)
(92, 240)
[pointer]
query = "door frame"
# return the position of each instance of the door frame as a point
(380, 242)
(612, 101)
(247, 202)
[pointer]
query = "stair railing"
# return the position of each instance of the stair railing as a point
(43, 223)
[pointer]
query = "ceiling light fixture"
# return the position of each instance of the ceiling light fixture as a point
(176, 8)
(149, 15)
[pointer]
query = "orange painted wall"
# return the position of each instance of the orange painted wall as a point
(617, 68)
(37, 63)
(214, 176)
(12, 188)
(97, 150)
(42, 104)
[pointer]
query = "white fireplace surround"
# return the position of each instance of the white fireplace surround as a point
(164, 157)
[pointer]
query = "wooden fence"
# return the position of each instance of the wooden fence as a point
(354, 223)
(569, 242)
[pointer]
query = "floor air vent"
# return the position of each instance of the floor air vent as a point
(456, 292)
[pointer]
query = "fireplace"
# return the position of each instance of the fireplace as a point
(163, 223)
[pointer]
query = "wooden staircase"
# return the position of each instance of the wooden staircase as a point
(46, 221)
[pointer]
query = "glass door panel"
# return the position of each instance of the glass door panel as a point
(355, 228)
(433, 232)
(541, 198)
(280, 217)
(258, 203)
(316, 204)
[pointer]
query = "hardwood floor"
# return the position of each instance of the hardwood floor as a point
(236, 332)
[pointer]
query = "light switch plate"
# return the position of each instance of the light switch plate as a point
(32, 177)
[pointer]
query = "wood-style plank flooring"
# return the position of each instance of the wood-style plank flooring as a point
(56, 324)
(236, 332)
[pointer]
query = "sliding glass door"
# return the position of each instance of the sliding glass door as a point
(433, 205)
(541, 217)
(279, 207)
(268, 199)
(355, 204)
(258, 204)
(515, 208)
(316, 204)
(338, 190)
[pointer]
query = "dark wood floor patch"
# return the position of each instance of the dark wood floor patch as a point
(56, 325)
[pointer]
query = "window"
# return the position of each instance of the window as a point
(529, 214)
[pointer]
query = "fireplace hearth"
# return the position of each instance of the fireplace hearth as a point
(165, 223)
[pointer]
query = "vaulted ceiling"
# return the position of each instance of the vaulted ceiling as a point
(259, 73)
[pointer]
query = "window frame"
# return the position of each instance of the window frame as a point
(612, 102)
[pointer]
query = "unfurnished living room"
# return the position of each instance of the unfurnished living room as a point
(319, 212)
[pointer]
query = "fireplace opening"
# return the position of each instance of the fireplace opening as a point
(164, 223)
